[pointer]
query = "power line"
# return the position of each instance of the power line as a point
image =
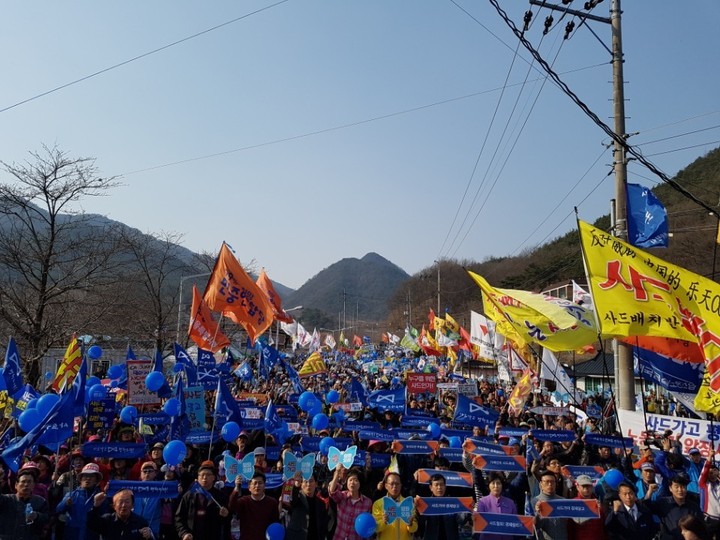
(139, 57)
(334, 128)
(618, 138)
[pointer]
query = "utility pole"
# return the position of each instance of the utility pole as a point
(624, 373)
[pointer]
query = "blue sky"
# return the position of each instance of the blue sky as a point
(349, 127)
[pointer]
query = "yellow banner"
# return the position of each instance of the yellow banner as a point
(558, 324)
(638, 294)
(313, 365)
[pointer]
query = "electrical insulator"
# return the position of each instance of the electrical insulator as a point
(548, 23)
(569, 27)
(527, 19)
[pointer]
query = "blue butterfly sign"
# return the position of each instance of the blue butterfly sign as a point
(293, 465)
(336, 457)
(402, 511)
(244, 467)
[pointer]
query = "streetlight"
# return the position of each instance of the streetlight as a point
(180, 300)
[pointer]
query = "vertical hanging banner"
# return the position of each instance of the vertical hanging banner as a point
(138, 394)
(195, 407)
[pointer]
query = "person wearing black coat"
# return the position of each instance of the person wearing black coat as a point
(444, 526)
(629, 519)
(203, 509)
(308, 512)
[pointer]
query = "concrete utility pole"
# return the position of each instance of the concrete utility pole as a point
(624, 374)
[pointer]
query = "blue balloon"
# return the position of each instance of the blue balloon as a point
(325, 444)
(97, 392)
(94, 352)
(48, 375)
(365, 525)
(332, 396)
(613, 477)
(177, 368)
(45, 403)
(455, 442)
(115, 372)
(174, 453)
(114, 384)
(172, 407)
(128, 414)
(306, 401)
(154, 381)
(92, 381)
(32, 404)
(434, 430)
(275, 532)
(316, 409)
(320, 421)
(29, 419)
(230, 431)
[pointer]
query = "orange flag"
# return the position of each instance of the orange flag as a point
(69, 366)
(672, 347)
(263, 281)
(203, 329)
(431, 318)
(232, 292)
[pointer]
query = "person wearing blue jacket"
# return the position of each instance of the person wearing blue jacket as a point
(76, 504)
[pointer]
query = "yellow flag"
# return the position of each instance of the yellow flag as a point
(706, 400)
(451, 324)
(519, 394)
(313, 365)
(638, 294)
(558, 324)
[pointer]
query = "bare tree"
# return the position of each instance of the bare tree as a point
(55, 260)
(157, 266)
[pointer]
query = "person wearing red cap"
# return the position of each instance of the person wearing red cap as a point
(15, 520)
(76, 505)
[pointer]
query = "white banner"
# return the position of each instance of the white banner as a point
(690, 432)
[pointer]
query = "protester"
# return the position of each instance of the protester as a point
(629, 519)
(671, 509)
(123, 523)
(203, 510)
(308, 511)
(582, 529)
(549, 528)
(23, 515)
(398, 529)
(445, 526)
(350, 503)
(76, 505)
(149, 507)
(255, 511)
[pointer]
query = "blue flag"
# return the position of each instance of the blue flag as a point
(469, 412)
(357, 392)
(78, 388)
(11, 371)
(182, 358)
(646, 218)
(388, 400)
(207, 369)
(225, 405)
(244, 372)
(673, 375)
(268, 354)
(180, 424)
(55, 427)
(294, 377)
(272, 422)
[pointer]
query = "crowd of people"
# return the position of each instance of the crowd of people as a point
(641, 493)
